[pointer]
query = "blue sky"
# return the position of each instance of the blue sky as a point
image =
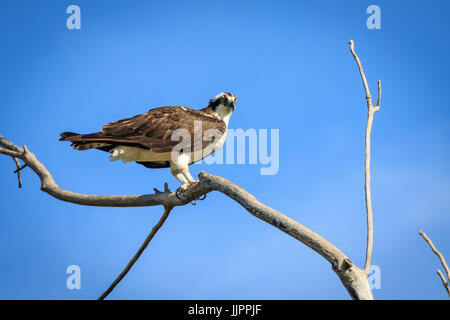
(289, 65)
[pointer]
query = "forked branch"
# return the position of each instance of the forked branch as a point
(445, 282)
(351, 276)
(368, 194)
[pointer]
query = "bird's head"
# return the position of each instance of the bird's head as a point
(223, 105)
(224, 100)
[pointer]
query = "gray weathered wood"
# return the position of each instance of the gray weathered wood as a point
(353, 278)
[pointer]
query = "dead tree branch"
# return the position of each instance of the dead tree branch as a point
(353, 278)
(442, 259)
(18, 171)
(370, 112)
(138, 253)
(49, 186)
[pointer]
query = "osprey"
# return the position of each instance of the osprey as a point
(163, 137)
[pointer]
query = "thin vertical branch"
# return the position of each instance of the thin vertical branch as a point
(441, 258)
(368, 195)
(138, 253)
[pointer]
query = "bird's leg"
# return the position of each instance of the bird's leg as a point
(185, 178)
(180, 170)
(188, 176)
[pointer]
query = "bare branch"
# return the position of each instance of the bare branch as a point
(433, 248)
(368, 195)
(444, 282)
(138, 253)
(441, 258)
(49, 186)
(353, 278)
(18, 171)
(10, 153)
(379, 95)
(9, 145)
(363, 76)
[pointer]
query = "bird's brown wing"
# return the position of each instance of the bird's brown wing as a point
(156, 130)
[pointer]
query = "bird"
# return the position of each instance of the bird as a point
(164, 137)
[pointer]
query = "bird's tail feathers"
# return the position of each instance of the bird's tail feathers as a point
(83, 141)
(66, 135)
